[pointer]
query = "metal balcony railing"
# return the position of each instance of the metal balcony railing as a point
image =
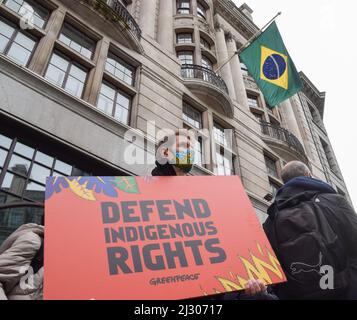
(118, 12)
(192, 71)
(283, 135)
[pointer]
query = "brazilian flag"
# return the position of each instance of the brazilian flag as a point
(269, 63)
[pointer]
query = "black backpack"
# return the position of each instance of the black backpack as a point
(304, 239)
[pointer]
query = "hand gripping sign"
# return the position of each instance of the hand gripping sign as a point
(152, 238)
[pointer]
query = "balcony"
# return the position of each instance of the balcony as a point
(208, 85)
(282, 140)
(115, 11)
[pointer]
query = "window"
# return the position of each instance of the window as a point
(328, 155)
(201, 11)
(314, 115)
(271, 166)
(206, 63)
(16, 44)
(192, 116)
(205, 43)
(198, 151)
(258, 116)
(274, 187)
(183, 7)
(26, 8)
(220, 135)
(186, 57)
(67, 74)
(253, 101)
(244, 69)
(119, 69)
(114, 102)
(26, 170)
(184, 38)
(77, 40)
(224, 166)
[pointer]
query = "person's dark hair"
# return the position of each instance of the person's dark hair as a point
(293, 170)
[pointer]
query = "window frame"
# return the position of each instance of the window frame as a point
(114, 107)
(201, 11)
(178, 34)
(33, 4)
(71, 62)
(73, 29)
(11, 41)
(179, 7)
(125, 64)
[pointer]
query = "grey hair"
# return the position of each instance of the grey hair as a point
(293, 170)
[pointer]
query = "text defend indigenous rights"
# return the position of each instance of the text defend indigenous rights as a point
(152, 238)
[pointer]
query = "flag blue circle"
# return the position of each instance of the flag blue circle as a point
(274, 67)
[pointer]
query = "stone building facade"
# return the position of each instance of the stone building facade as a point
(76, 75)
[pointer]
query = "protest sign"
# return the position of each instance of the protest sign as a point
(152, 238)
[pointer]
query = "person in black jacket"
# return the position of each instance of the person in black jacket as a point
(175, 157)
(312, 229)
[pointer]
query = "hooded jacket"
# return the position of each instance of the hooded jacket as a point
(338, 212)
(16, 255)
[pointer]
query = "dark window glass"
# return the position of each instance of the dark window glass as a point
(27, 171)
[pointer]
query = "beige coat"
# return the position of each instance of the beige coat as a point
(16, 254)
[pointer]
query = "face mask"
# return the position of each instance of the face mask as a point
(185, 160)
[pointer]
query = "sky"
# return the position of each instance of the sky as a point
(320, 38)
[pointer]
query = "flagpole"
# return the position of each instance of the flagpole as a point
(249, 41)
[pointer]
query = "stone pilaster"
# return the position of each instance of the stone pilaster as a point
(148, 17)
(46, 45)
(165, 34)
(237, 74)
(222, 54)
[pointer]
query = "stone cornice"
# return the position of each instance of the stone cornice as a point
(230, 12)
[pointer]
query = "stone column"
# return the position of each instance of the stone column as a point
(223, 57)
(95, 77)
(289, 116)
(46, 44)
(148, 17)
(237, 74)
(165, 33)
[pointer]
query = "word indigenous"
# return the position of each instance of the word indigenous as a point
(159, 235)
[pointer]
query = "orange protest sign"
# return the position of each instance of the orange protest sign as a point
(152, 238)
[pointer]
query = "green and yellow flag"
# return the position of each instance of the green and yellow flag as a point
(270, 65)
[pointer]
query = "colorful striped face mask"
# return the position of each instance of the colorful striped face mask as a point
(185, 160)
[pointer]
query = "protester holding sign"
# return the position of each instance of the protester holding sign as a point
(175, 156)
